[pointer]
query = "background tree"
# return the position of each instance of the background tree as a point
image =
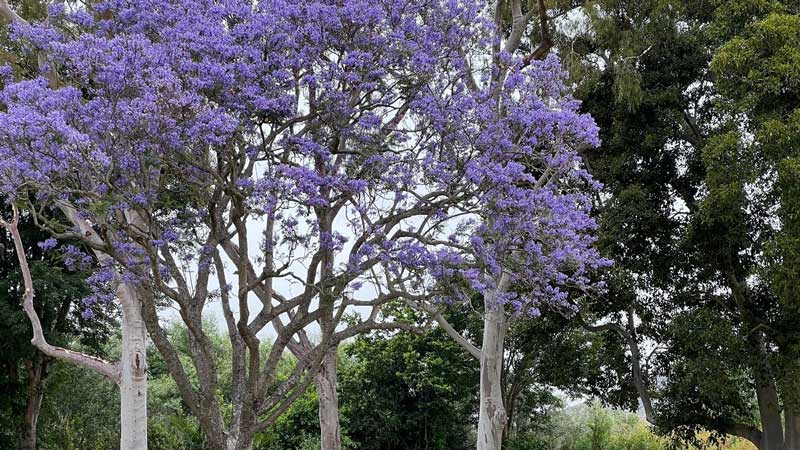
(690, 211)
(409, 391)
(551, 358)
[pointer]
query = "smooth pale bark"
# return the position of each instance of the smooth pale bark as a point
(133, 375)
(330, 432)
(38, 340)
(492, 414)
(130, 371)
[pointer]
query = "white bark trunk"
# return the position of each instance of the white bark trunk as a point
(133, 375)
(132, 365)
(492, 414)
(330, 433)
(129, 374)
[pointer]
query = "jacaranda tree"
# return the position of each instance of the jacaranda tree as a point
(303, 160)
(530, 239)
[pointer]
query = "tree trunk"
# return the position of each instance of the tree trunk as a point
(129, 374)
(330, 433)
(789, 387)
(508, 428)
(769, 408)
(492, 414)
(37, 373)
(133, 376)
(770, 413)
(791, 429)
(242, 444)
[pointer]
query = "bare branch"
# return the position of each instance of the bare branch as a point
(9, 14)
(455, 335)
(544, 47)
(105, 368)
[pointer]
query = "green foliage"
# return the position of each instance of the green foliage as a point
(408, 391)
(591, 427)
(706, 365)
(697, 102)
(786, 247)
(80, 411)
(298, 429)
(758, 69)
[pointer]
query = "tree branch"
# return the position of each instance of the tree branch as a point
(544, 47)
(105, 368)
(9, 14)
(455, 335)
(636, 368)
(518, 24)
(744, 431)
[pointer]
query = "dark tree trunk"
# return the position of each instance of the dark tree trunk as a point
(37, 375)
(769, 407)
(791, 428)
(770, 413)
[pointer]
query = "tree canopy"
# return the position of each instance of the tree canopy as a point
(416, 223)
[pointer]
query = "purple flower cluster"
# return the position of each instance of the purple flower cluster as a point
(370, 131)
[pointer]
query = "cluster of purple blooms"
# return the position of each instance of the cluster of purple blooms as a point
(378, 131)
